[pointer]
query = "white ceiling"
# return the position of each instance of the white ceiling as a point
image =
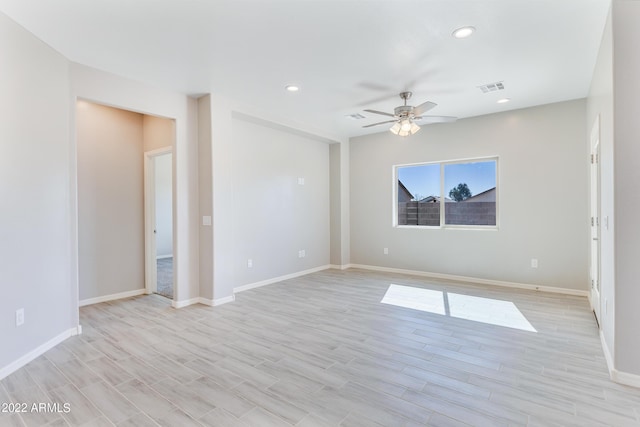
(346, 55)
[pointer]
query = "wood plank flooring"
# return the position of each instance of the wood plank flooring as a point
(322, 350)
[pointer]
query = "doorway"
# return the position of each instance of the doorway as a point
(595, 217)
(159, 260)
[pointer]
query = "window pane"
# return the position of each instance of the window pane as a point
(470, 193)
(418, 195)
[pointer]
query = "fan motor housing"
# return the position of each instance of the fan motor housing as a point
(403, 111)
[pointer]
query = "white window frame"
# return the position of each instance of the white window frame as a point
(443, 225)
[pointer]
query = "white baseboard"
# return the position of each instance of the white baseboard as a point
(38, 351)
(201, 300)
(112, 297)
(206, 301)
(467, 279)
(220, 301)
(625, 378)
(217, 302)
(607, 354)
(617, 376)
(185, 302)
(232, 298)
(164, 256)
(280, 278)
(339, 266)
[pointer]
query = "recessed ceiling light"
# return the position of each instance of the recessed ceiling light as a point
(463, 32)
(503, 100)
(292, 88)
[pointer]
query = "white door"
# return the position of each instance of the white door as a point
(155, 220)
(595, 218)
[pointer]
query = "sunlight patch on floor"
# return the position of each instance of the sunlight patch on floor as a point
(477, 309)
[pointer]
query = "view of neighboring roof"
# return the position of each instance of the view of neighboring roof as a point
(403, 191)
(486, 196)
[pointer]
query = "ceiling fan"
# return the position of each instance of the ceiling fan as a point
(404, 117)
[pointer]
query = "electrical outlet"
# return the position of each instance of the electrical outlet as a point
(534, 263)
(20, 317)
(385, 251)
(249, 263)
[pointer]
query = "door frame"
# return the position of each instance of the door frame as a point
(594, 213)
(151, 263)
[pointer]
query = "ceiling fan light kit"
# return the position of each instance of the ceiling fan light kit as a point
(404, 127)
(404, 116)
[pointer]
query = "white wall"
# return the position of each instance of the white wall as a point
(600, 107)
(274, 216)
(34, 188)
(543, 198)
(108, 89)
(164, 205)
(110, 200)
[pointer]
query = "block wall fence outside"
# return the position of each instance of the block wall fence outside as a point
(428, 214)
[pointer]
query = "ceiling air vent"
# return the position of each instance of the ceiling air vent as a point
(356, 116)
(491, 87)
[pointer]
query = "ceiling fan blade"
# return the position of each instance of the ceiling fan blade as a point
(423, 108)
(378, 99)
(379, 112)
(379, 123)
(425, 120)
(374, 86)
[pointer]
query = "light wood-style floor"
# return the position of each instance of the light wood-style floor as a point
(322, 350)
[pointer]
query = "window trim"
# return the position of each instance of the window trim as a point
(443, 225)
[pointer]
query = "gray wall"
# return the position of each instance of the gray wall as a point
(110, 200)
(259, 210)
(626, 106)
(615, 98)
(335, 205)
(35, 226)
(109, 89)
(205, 189)
(38, 221)
(273, 215)
(542, 157)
